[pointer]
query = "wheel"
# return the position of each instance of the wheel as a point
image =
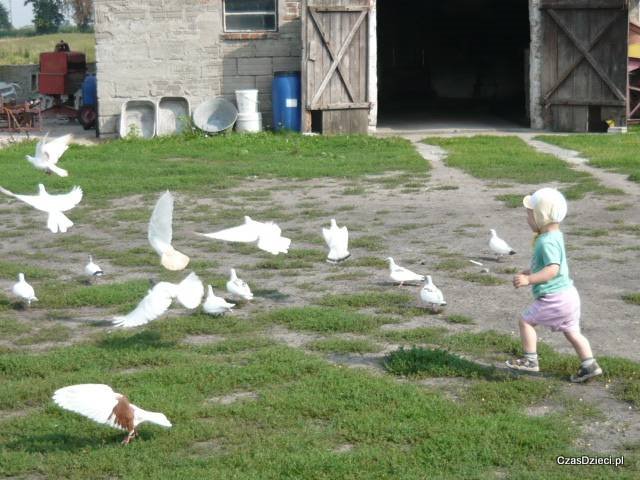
(87, 117)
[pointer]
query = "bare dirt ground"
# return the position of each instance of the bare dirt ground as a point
(446, 217)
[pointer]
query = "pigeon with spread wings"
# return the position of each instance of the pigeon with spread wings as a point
(161, 234)
(48, 154)
(268, 235)
(53, 205)
(337, 239)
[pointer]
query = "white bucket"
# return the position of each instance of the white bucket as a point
(247, 101)
(249, 122)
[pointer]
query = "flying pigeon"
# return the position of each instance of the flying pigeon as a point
(215, 305)
(431, 295)
(401, 274)
(54, 205)
(23, 290)
(92, 270)
(48, 154)
(499, 246)
(102, 405)
(267, 234)
(337, 239)
(161, 233)
(189, 293)
(238, 287)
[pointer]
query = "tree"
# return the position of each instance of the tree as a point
(47, 15)
(5, 24)
(82, 12)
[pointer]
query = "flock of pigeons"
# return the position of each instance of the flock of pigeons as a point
(99, 402)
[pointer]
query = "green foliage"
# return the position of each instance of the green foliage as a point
(47, 15)
(434, 363)
(339, 345)
(24, 47)
(632, 298)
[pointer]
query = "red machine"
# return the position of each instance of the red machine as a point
(59, 83)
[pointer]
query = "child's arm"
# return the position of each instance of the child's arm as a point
(544, 275)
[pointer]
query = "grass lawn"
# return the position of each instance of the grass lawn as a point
(612, 152)
(26, 50)
(511, 159)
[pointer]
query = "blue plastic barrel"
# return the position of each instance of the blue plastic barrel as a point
(89, 91)
(287, 111)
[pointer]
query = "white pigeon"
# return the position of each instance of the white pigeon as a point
(238, 287)
(215, 305)
(189, 293)
(102, 405)
(48, 154)
(431, 295)
(92, 270)
(54, 205)
(267, 234)
(161, 233)
(23, 290)
(402, 275)
(337, 239)
(499, 246)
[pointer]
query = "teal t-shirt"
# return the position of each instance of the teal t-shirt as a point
(549, 249)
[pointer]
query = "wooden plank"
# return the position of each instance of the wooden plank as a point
(305, 76)
(345, 8)
(549, 64)
(583, 4)
(583, 102)
(340, 106)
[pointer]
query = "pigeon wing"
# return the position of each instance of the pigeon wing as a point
(245, 233)
(160, 225)
(40, 147)
(64, 202)
(54, 149)
(157, 302)
(93, 401)
(190, 291)
(270, 239)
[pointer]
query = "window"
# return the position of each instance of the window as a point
(250, 15)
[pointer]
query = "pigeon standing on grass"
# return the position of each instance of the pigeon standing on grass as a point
(337, 239)
(238, 287)
(54, 205)
(499, 246)
(102, 405)
(432, 296)
(215, 305)
(48, 154)
(92, 270)
(189, 293)
(268, 235)
(401, 275)
(161, 233)
(24, 291)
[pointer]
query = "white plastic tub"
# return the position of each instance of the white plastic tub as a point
(249, 122)
(247, 101)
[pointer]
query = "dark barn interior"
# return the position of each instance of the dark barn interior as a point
(453, 59)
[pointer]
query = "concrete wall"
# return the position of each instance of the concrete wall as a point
(146, 50)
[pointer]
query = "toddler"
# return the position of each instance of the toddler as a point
(557, 303)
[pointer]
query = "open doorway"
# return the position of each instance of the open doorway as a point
(453, 62)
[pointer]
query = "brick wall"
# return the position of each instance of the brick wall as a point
(146, 50)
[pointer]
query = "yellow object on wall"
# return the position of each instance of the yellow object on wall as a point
(634, 50)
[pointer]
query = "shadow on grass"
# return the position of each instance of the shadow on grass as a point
(142, 340)
(59, 442)
(271, 294)
(425, 362)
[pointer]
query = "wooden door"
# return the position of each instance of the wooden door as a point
(335, 62)
(584, 63)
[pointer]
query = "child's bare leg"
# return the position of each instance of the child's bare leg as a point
(580, 344)
(529, 337)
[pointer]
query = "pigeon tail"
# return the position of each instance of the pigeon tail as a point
(337, 259)
(58, 222)
(58, 171)
(174, 260)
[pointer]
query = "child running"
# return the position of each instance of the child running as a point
(557, 303)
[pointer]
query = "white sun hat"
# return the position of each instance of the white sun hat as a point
(548, 205)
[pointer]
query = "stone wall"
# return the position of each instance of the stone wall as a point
(147, 50)
(27, 77)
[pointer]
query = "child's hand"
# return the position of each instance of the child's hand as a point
(521, 280)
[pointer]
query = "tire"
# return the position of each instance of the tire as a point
(87, 117)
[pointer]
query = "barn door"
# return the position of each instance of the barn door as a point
(335, 39)
(584, 63)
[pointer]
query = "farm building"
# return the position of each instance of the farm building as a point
(556, 64)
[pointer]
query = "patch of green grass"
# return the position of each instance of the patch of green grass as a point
(446, 187)
(589, 232)
(354, 191)
(178, 163)
(381, 302)
(451, 264)
(501, 395)
(510, 158)
(484, 279)
(370, 262)
(10, 269)
(611, 152)
(339, 345)
(423, 362)
(107, 295)
(353, 275)
(296, 258)
(632, 298)
(461, 319)
(56, 333)
(372, 243)
(26, 50)
(324, 319)
(508, 270)
(10, 327)
(616, 207)
(510, 200)
(432, 335)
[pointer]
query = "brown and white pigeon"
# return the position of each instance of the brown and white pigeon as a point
(102, 405)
